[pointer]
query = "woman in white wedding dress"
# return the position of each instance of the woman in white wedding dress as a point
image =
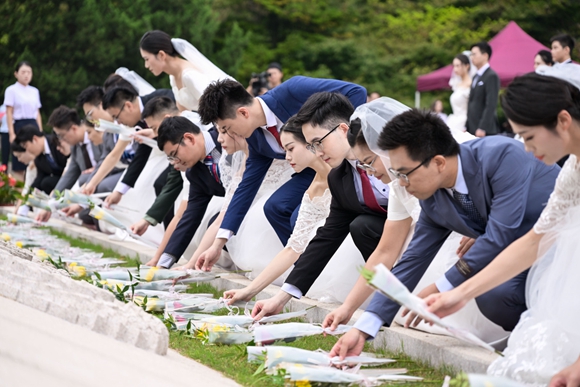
(340, 273)
(460, 82)
(255, 225)
(544, 109)
(188, 77)
(403, 213)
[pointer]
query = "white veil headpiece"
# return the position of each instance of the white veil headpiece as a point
(143, 87)
(569, 72)
(455, 79)
(198, 60)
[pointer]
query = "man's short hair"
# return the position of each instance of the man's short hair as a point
(172, 130)
(92, 95)
(158, 106)
(117, 96)
(27, 133)
(115, 80)
(325, 109)
(423, 133)
(565, 40)
(484, 47)
(63, 118)
(221, 99)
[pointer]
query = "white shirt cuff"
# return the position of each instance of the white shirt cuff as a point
(370, 324)
(166, 260)
(292, 290)
(23, 210)
(224, 234)
(84, 206)
(443, 285)
(122, 188)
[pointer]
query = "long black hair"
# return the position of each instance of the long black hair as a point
(155, 41)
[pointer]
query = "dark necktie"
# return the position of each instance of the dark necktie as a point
(467, 204)
(368, 194)
(475, 80)
(274, 131)
(212, 165)
(55, 168)
(86, 157)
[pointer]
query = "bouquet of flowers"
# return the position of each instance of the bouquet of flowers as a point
(9, 187)
(268, 333)
(125, 132)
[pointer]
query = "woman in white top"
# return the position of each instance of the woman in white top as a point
(460, 82)
(340, 273)
(22, 108)
(404, 211)
(188, 77)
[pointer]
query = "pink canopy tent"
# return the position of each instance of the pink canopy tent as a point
(513, 54)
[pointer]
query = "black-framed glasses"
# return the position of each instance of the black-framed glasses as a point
(316, 146)
(368, 167)
(405, 176)
(116, 118)
(173, 159)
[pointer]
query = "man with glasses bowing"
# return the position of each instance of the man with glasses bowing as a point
(189, 148)
(359, 201)
(489, 189)
(231, 108)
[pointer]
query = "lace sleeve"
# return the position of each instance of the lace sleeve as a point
(231, 171)
(566, 195)
(279, 172)
(310, 214)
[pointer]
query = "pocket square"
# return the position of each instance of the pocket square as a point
(480, 83)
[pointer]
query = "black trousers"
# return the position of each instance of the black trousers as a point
(158, 186)
(366, 231)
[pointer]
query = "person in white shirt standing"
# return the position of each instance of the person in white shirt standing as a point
(22, 108)
(562, 46)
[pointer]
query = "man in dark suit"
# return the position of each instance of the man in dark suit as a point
(227, 104)
(490, 189)
(482, 105)
(125, 106)
(358, 201)
(187, 147)
(49, 160)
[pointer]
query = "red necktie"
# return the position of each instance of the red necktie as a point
(368, 194)
(274, 131)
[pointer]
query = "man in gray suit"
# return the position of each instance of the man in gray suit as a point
(88, 150)
(481, 116)
(488, 189)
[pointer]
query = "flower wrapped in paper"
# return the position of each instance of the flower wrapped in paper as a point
(71, 197)
(102, 214)
(268, 333)
(147, 273)
(307, 373)
(389, 285)
(118, 274)
(18, 219)
(125, 132)
(38, 203)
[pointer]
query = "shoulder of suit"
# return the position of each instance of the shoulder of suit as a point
(339, 171)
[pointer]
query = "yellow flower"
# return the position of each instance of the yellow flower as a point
(41, 254)
(77, 271)
(19, 244)
(303, 383)
(150, 274)
(99, 215)
(6, 237)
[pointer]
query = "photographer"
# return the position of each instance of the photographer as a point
(264, 81)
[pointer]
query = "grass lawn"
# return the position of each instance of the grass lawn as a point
(232, 361)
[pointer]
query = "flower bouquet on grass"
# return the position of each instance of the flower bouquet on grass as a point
(385, 282)
(19, 219)
(270, 333)
(9, 187)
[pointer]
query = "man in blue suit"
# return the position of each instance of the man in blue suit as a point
(231, 108)
(489, 189)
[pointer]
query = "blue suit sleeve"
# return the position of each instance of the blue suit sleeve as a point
(426, 242)
(257, 166)
(308, 86)
(511, 188)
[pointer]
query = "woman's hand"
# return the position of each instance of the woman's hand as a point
(444, 304)
(341, 315)
(235, 295)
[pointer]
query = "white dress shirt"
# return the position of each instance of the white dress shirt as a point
(89, 147)
(370, 323)
(479, 74)
(24, 99)
(381, 191)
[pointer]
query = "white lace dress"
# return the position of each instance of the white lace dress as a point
(547, 338)
(194, 83)
(459, 100)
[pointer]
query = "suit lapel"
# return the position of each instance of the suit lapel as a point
(350, 196)
(473, 179)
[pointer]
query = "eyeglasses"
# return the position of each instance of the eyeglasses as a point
(317, 146)
(367, 167)
(116, 118)
(405, 176)
(173, 159)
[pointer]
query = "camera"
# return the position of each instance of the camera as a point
(260, 82)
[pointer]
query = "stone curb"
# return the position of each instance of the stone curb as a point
(435, 350)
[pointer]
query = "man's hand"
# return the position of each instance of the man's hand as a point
(444, 304)
(341, 315)
(209, 257)
(43, 216)
(72, 209)
(414, 319)
(464, 246)
(270, 306)
(88, 171)
(568, 377)
(351, 344)
(480, 133)
(235, 295)
(139, 227)
(114, 198)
